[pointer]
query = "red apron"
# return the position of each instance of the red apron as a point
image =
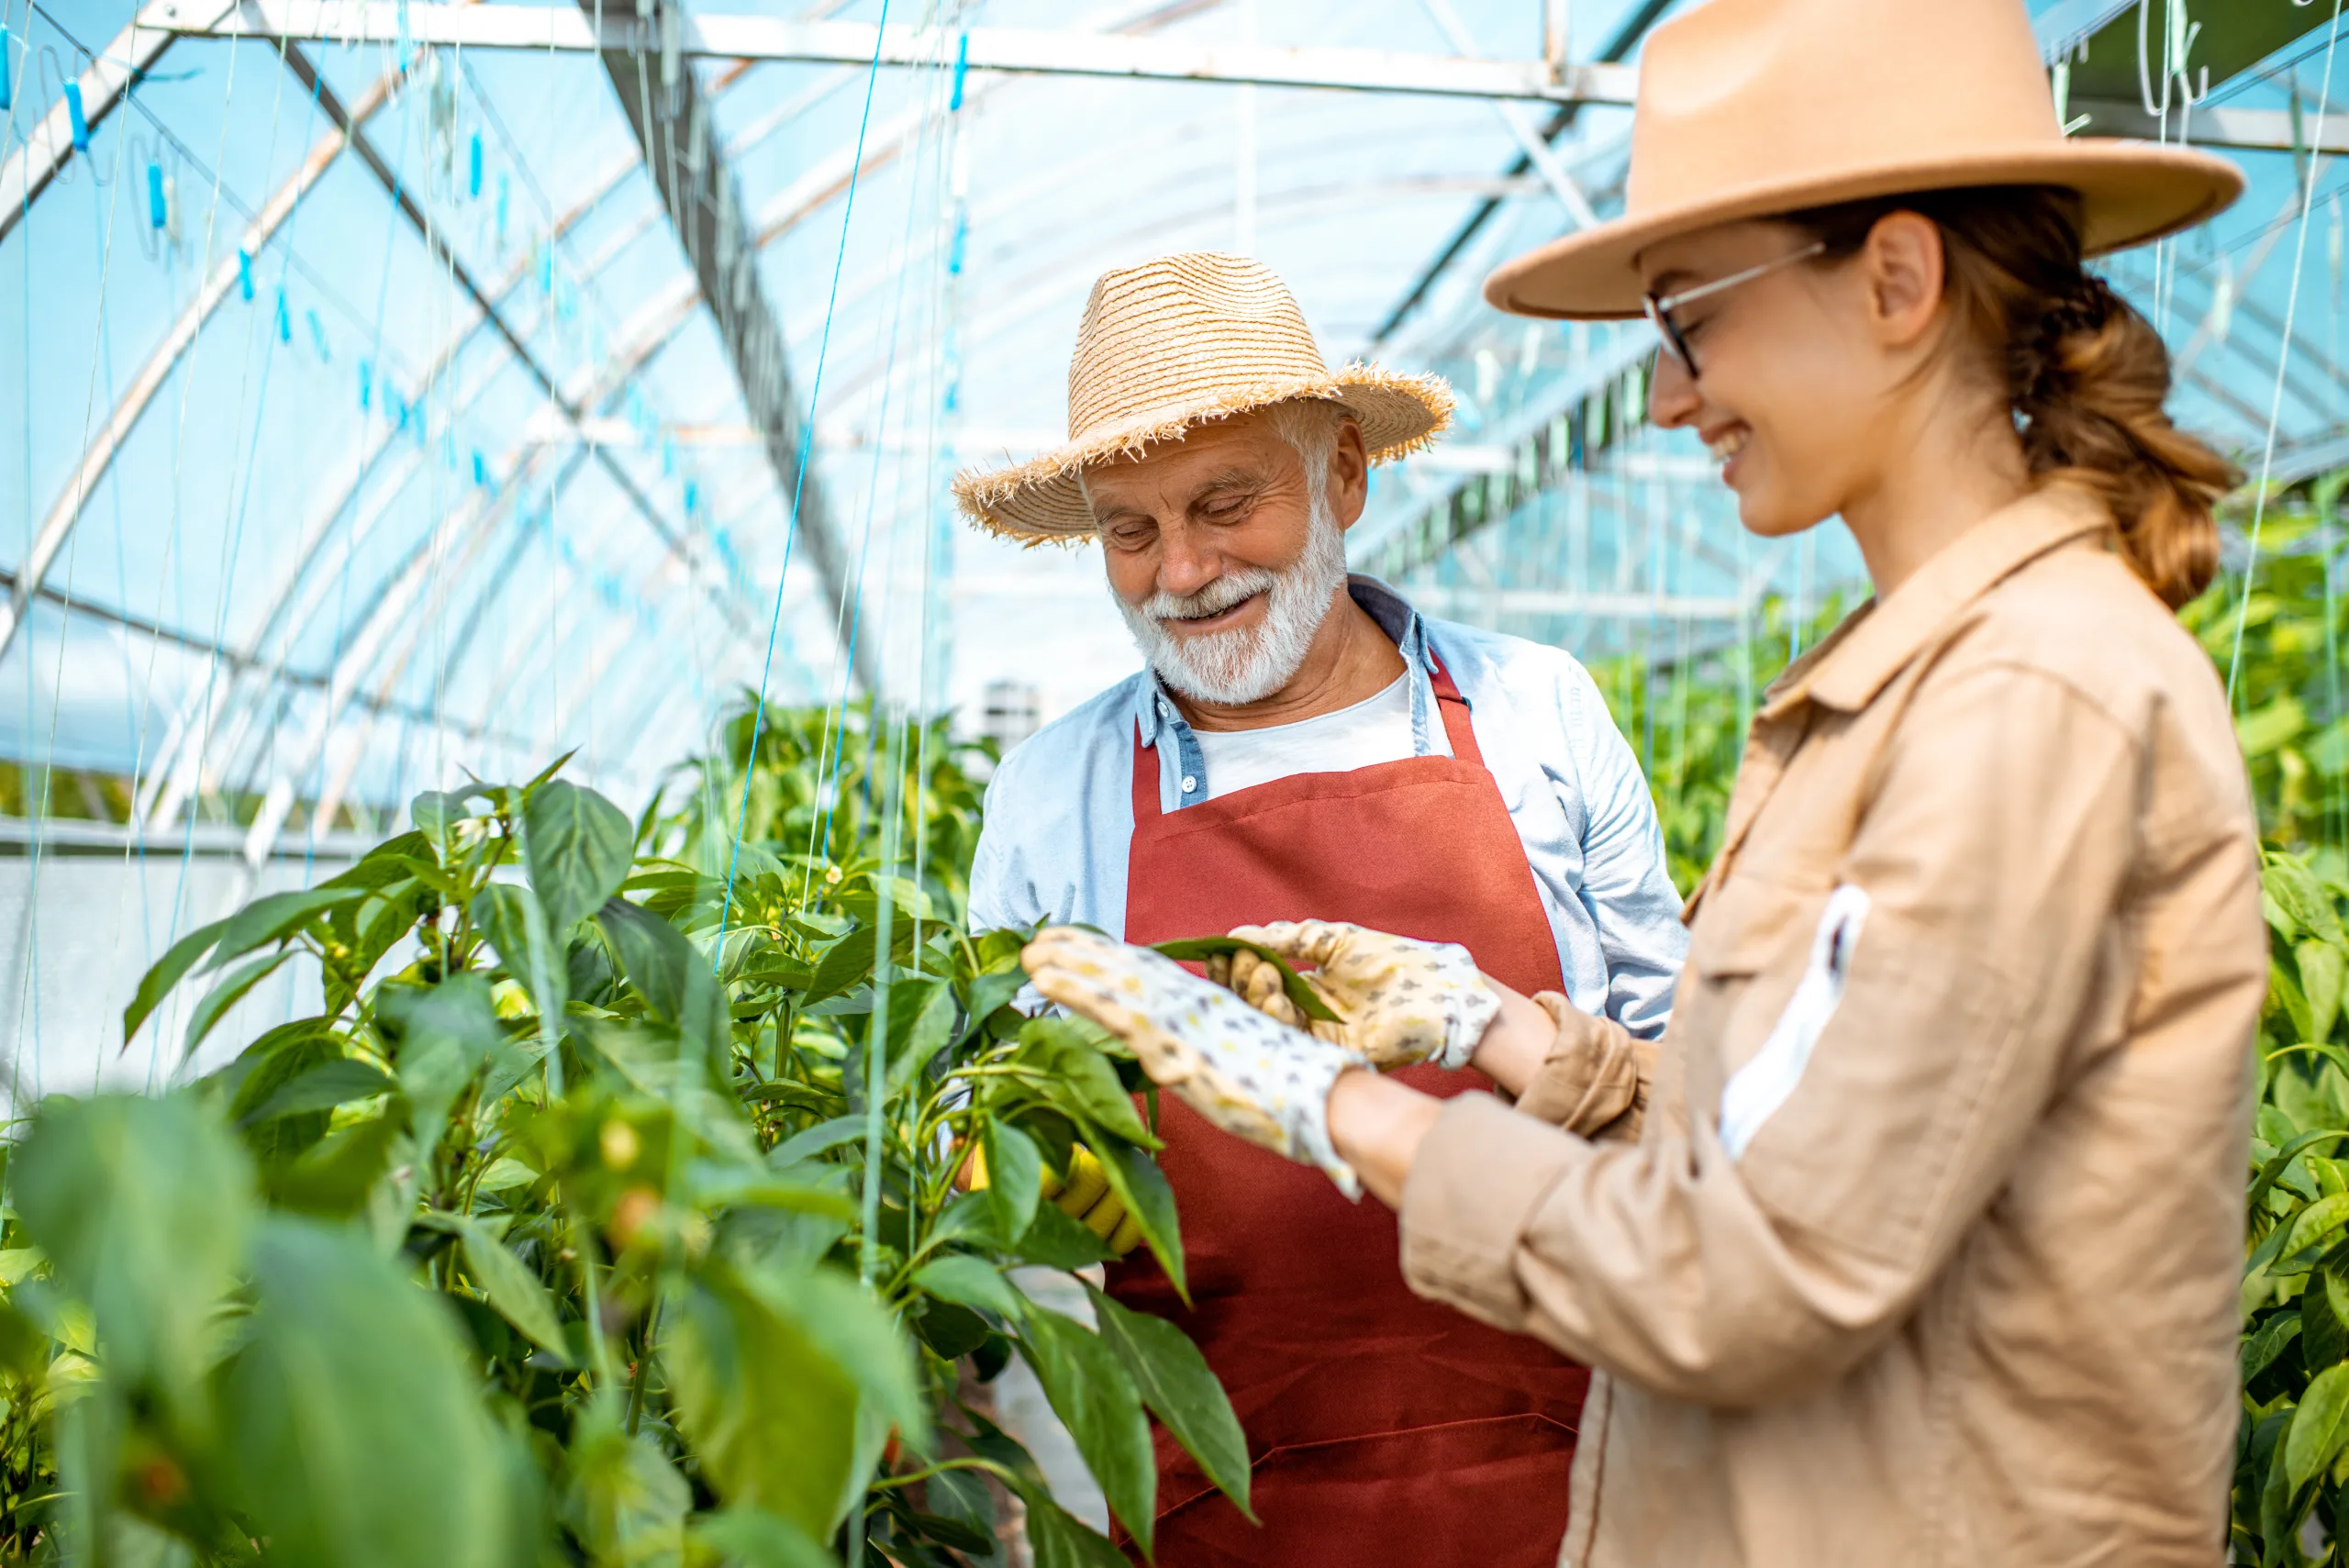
(1381, 1427)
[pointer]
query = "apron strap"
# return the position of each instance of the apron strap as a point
(1146, 781)
(1454, 709)
(1449, 704)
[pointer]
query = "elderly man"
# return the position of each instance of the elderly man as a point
(1304, 745)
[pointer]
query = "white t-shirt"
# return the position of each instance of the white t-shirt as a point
(1377, 729)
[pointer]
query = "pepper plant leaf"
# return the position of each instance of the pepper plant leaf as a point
(1095, 1399)
(360, 1442)
(1015, 1178)
(156, 983)
(276, 917)
(1305, 999)
(577, 845)
(1141, 1187)
(1175, 1383)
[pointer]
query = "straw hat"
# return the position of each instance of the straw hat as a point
(1749, 108)
(1173, 343)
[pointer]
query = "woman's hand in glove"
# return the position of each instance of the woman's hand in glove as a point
(1404, 1001)
(1248, 1076)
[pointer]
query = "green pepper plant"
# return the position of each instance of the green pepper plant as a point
(605, 1212)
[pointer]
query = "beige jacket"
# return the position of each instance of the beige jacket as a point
(1926, 1252)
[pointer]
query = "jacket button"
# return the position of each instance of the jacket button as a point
(1189, 783)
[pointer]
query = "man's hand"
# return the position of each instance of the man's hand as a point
(1403, 1001)
(1086, 1197)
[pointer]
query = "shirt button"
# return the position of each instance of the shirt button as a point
(1189, 783)
(1164, 711)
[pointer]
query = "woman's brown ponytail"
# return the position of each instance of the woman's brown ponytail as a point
(2086, 375)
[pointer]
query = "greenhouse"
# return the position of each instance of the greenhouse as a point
(616, 614)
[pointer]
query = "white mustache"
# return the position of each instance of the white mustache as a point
(1231, 588)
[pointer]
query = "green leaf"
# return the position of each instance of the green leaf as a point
(2323, 966)
(1015, 1178)
(2278, 1163)
(2319, 1426)
(510, 918)
(435, 811)
(276, 917)
(335, 1176)
(329, 1084)
(1055, 1241)
(1141, 1187)
(444, 1032)
(267, 1065)
(772, 1417)
(1083, 1082)
(672, 976)
(361, 1439)
(1180, 1390)
(227, 994)
(1305, 999)
(2261, 1348)
(821, 1138)
(158, 982)
(511, 1287)
(921, 1020)
(989, 991)
(1057, 1539)
(755, 1540)
(972, 1282)
(143, 1207)
(628, 1503)
(2284, 992)
(2316, 1222)
(844, 966)
(2294, 888)
(577, 845)
(1095, 1398)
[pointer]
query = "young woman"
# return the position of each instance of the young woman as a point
(1916, 1239)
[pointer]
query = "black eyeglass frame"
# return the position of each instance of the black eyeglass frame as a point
(1661, 307)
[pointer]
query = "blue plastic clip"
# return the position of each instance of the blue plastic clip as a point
(284, 321)
(366, 384)
(961, 69)
(481, 470)
(473, 181)
(4, 95)
(693, 498)
(318, 337)
(155, 213)
(245, 275)
(962, 240)
(73, 109)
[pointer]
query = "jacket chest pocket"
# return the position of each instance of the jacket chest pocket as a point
(1746, 963)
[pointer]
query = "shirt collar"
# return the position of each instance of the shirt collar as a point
(1849, 667)
(1154, 708)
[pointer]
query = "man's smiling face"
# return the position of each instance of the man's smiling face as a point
(1223, 553)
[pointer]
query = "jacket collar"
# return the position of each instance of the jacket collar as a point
(1153, 709)
(1877, 641)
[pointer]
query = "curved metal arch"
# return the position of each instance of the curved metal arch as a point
(99, 454)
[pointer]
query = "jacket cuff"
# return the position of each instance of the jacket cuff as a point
(1480, 1174)
(1591, 1079)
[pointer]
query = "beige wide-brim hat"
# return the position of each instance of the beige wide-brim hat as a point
(1751, 108)
(1169, 345)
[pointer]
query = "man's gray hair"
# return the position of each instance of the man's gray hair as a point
(1309, 426)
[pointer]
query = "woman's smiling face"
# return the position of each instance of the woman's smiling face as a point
(1792, 383)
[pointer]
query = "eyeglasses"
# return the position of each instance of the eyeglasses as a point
(1661, 307)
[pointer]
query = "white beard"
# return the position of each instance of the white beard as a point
(1245, 664)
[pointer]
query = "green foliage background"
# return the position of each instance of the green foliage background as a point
(606, 1092)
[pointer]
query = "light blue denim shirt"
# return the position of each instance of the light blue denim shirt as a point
(1059, 810)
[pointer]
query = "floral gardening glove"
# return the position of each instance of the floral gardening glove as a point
(1247, 1074)
(1403, 1001)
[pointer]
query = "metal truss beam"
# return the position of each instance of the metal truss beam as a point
(1444, 600)
(1011, 49)
(133, 53)
(2221, 126)
(672, 121)
(436, 242)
